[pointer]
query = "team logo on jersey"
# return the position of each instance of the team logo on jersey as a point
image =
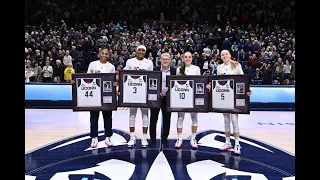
(72, 159)
(140, 79)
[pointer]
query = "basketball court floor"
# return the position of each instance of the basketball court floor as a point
(57, 147)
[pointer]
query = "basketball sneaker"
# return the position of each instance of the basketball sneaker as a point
(132, 142)
(193, 143)
(94, 142)
(178, 144)
(144, 142)
(237, 149)
(108, 142)
(226, 147)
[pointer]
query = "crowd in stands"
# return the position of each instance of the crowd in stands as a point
(63, 37)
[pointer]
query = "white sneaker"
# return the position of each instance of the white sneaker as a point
(132, 142)
(108, 142)
(94, 142)
(144, 142)
(193, 143)
(226, 147)
(178, 144)
(237, 149)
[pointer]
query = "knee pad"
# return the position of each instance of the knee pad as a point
(180, 122)
(145, 117)
(132, 117)
(132, 120)
(226, 117)
(235, 124)
(194, 119)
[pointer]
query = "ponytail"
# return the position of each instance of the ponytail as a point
(182, 69)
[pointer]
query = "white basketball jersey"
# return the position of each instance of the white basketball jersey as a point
(181, 95)
(135, 89)
(89, 93)
(223, 95)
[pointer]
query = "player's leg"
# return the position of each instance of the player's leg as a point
(194, 128)
(227, 144)
(94, 117)
(178, 143)
(132, 122)
(145, 125)
(153, 124)
(236, 133)
(107, 118)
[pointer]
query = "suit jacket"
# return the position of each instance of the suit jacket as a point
(172, 70)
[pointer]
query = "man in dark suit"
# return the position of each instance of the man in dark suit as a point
(58, 71)
(166, 116)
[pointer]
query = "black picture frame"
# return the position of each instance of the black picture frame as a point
(153, 80)
(241, 101)
(108, 91)
(200, 95)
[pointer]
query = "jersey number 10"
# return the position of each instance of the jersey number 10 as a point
(182, 95)
(87, 94)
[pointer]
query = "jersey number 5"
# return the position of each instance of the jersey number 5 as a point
(222, 96)
(88, 94)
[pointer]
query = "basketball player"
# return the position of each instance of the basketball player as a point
(166, 116)
(187, 69)
(101, 66)
(139, 63)
(230, 67)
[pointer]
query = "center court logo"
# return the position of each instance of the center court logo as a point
(72, 159)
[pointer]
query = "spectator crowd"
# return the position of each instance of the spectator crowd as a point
(63, 37)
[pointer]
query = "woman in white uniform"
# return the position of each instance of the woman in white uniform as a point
(187, 69)
(139, 63)
(230, 67)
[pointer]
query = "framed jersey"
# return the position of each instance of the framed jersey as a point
(228, 94)
(94, 91)
(139, 88)
(187, 93)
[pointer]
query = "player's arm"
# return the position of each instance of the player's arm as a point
(198, 71)
(151, 66)
(239, 68)
(90, 68)
(126, 67)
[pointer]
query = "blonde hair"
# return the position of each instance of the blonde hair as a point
(232, 62)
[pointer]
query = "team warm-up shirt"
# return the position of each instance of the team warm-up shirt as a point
(191, 70)
(226, 69)
(135, 64)
(223, 91)
(89, 90)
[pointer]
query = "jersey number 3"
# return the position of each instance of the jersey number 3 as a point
(87, 94)
(134, 90)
